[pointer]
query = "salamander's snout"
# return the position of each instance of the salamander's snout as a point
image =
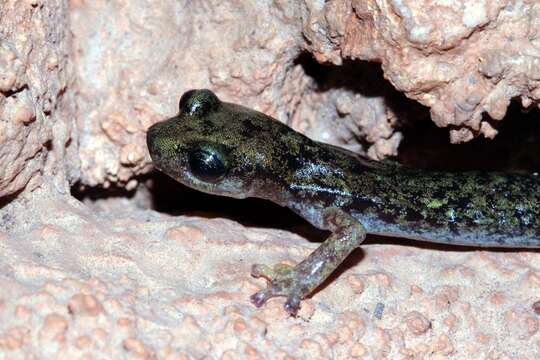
(152, 140)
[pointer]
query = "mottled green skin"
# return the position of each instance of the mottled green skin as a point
(337, 190)
(473, 208)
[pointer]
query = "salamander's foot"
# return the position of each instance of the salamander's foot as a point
(284, 281)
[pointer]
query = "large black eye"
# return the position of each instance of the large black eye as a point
(198, 102)
(208, 163)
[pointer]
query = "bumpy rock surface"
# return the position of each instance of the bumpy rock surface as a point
(110, 280)
(460, 58)
(81, 81)
(133, 69)
(35, 117)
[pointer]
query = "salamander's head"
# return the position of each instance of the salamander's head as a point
(217, 147)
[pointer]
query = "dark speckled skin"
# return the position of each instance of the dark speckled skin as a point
(226, 149)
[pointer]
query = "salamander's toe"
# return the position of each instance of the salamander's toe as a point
(292, 305)
(259, 298)
(284, 281)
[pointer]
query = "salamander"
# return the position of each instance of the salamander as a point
(227, 149)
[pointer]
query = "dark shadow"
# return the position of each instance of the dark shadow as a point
(515, 147)
(375, 239)
(84, 193)
(9, 198)
(172, 198)
(365, 78)
(7, 221)
(15, 92)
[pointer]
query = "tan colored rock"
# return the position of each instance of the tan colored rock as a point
(129, 82)
(82, 304)
(417, 323)
(36, 116)
(137, 283)
(461, 58)
(54, 328)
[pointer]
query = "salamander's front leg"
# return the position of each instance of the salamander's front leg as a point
(297, 282)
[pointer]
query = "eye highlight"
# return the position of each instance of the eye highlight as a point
(207, 163)
(198, 102)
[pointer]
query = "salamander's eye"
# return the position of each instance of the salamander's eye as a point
(198, 102)
(208, 163)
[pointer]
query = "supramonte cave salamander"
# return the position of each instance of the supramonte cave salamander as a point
(227, 149)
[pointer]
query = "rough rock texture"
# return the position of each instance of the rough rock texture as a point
(113, 281)
(461, 58)
(81, 81)
(134, 68)
(36, 119)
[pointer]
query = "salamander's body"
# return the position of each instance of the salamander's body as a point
(226, 149)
